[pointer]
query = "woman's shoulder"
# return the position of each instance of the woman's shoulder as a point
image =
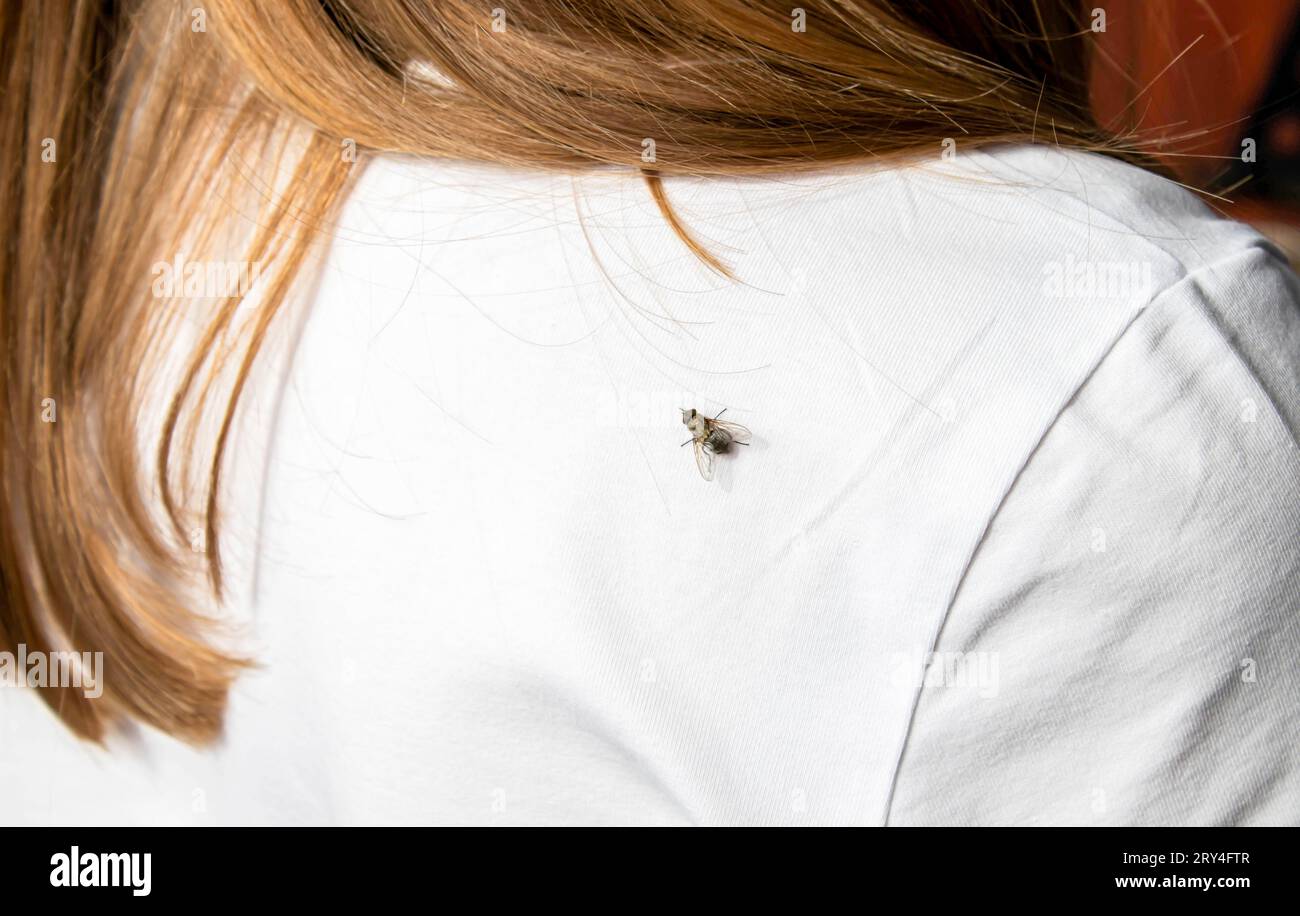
(1147, 547)
(1139, 587)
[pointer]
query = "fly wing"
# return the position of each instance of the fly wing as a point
(737, 432)
(704, 457)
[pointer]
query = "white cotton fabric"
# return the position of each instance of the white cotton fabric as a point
(1015, 543)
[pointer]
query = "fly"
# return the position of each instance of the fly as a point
(711, 437)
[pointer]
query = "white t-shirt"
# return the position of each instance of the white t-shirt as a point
(1016, 540)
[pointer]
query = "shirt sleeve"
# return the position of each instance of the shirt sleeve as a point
(1124, 647)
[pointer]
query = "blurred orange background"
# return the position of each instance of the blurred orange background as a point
(1195, 74)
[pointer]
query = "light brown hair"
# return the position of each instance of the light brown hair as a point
(137, 130)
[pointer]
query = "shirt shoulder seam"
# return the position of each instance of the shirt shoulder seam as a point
(1254, 246)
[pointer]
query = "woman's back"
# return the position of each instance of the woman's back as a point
(1014, 539)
